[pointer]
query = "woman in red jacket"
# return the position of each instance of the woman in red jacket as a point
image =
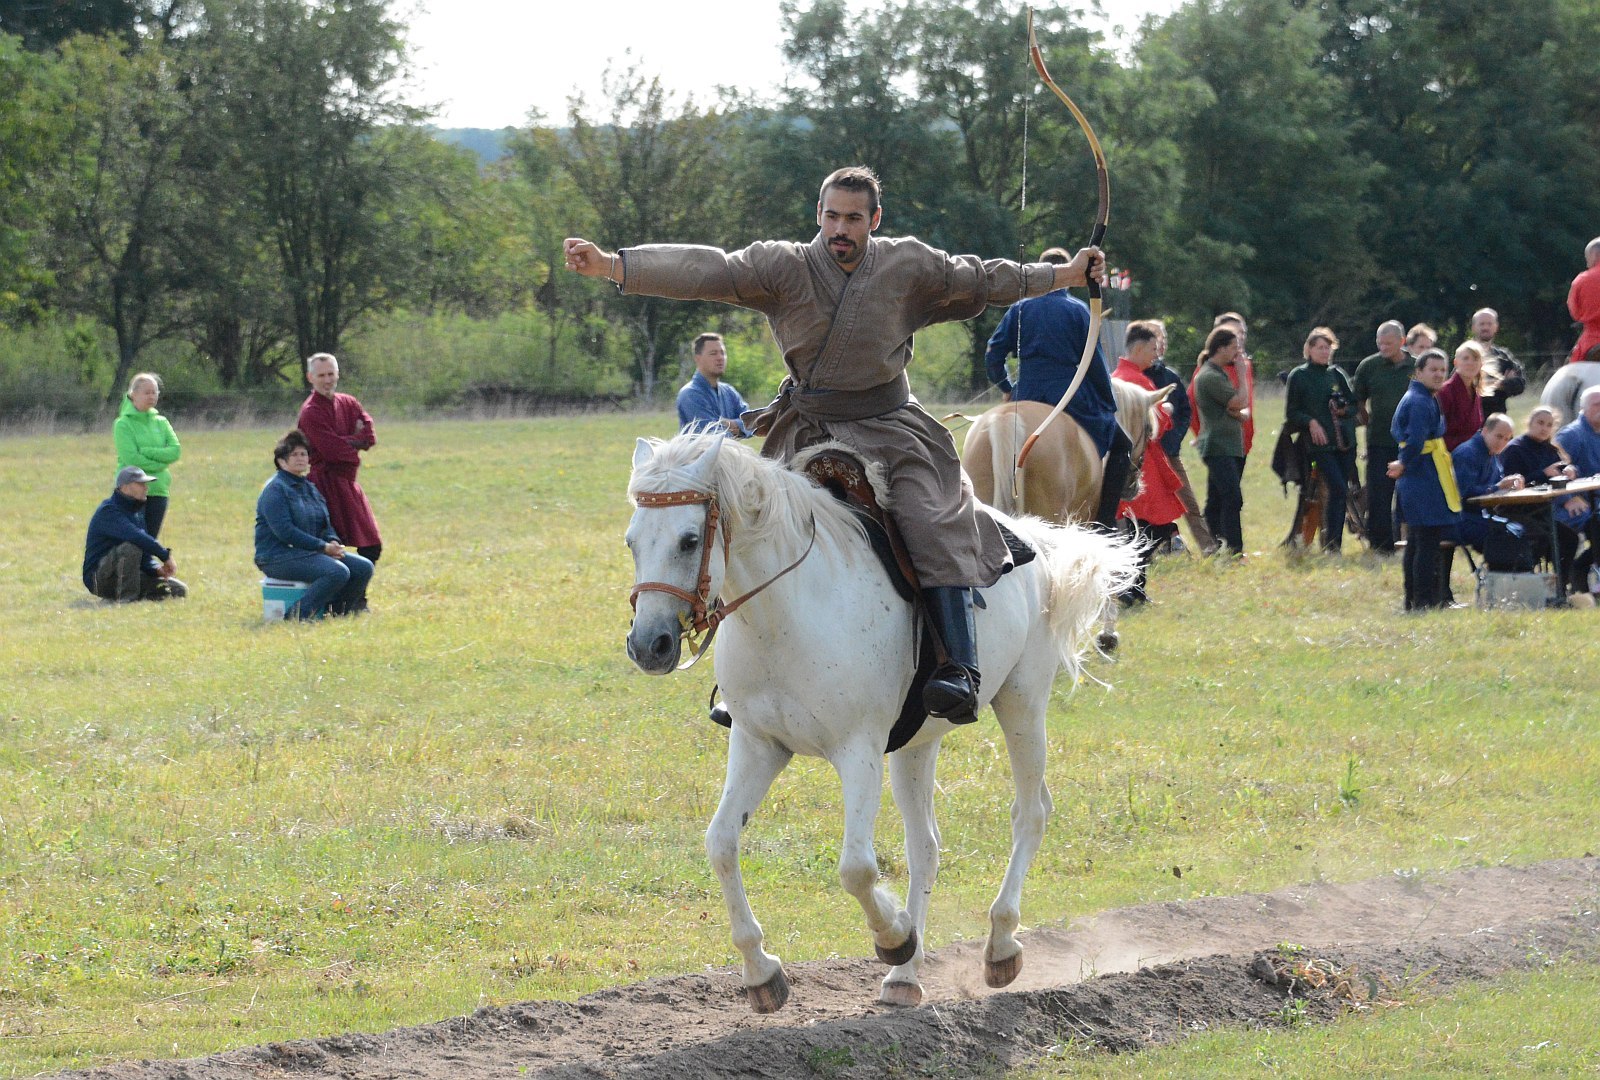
(1461, 397)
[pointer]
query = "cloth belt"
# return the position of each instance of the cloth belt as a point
(1445, 467)
(830, 405)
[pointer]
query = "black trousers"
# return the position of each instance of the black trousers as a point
(155, 512)
(1424, 589)
(1225, 501)
(1337, 468)
(1383, 513)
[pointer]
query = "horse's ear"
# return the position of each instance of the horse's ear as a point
(705, 467)
(1161, 394)
(642, 453)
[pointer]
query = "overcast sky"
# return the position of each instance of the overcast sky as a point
(488, 62)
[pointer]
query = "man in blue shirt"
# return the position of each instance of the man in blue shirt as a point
(1581, 440)
(706, 402)
(121, 561)
(1047, 334)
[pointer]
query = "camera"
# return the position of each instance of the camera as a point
(1339, 404)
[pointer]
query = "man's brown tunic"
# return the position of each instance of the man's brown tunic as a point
(846, 340)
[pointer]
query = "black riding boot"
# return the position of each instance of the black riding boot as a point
(952, 692)
(1114, 480)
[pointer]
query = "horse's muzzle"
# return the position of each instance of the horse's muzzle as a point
(654, 648)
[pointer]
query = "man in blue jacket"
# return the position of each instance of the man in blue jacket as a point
(121, 561)
(1047, 334)
(707, 401)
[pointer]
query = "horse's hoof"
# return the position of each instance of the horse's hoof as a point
(901, 954)
(770, 996)
(1108, 642)
(908, 994)
(998, 973)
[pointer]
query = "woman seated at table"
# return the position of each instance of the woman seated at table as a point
(1539, 458)
(295, 540)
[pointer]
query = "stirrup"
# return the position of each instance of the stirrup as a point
(952, 694)
(721, 716)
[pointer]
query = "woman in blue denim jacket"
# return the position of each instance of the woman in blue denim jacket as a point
(295, 540)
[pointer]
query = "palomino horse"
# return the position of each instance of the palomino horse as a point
(815, 657)
(1061, 480)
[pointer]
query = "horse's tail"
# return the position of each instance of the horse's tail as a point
(1085, 569)
(1005, 443)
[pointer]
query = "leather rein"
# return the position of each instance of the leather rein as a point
(706, 612)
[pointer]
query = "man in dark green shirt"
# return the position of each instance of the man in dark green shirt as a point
(1380, 382)
(1319, 403)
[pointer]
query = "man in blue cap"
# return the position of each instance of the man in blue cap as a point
(121, 561)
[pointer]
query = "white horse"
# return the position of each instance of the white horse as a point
(816, 657)
(1565, 388)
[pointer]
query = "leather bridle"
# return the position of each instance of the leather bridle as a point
(706, 612)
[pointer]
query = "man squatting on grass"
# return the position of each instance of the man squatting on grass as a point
(843, 309)
(121, 561)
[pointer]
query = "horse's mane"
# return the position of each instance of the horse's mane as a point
(764, 501)
(1130, 409)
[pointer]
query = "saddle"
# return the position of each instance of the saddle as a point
(851, 481)
(857, 484)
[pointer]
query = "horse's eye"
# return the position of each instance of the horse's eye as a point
(688, 542)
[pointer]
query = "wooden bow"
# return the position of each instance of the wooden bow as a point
(1097, 237)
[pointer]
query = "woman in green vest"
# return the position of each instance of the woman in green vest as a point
(145, 438)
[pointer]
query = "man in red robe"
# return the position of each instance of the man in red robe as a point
(338, 429)
(1583, 301)
(1157, 507)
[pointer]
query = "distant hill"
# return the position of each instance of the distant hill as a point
(488, 143)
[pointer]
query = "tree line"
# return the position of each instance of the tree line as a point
(240, 183)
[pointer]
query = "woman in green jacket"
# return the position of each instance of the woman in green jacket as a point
(145, 438)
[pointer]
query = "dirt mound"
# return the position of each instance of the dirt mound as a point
(1122, 980)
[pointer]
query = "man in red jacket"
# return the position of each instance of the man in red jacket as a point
(1583, 301)
(338, 429)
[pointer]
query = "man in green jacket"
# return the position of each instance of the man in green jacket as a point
(145, 440)
(1381, 381)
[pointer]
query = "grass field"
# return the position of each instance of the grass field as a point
(215, 832)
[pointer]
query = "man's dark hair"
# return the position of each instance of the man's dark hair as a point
(1056, 256)
(288, 445)
(1430, 354)
(854, 178)
(1219, 338)
(700, 342)
(1143, 330)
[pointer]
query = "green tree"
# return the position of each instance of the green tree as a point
(29, 97)
(1274, 184)
(1486, 122)
(552, 208)
(120, 198)
(651, 173)
(304, 94)
(43, 26)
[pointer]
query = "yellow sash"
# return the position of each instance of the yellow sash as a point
(1445, 467)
